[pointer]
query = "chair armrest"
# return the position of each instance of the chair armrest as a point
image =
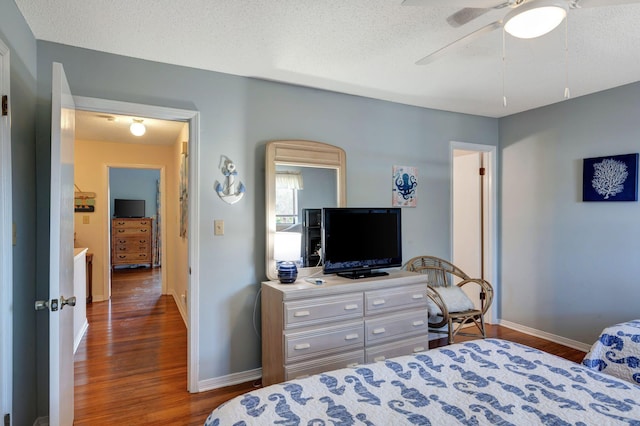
(437, 299)
(485, 287)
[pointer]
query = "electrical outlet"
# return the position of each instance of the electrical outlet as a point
(218, 227)
(85, 219)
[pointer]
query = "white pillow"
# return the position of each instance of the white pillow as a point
(454, 298)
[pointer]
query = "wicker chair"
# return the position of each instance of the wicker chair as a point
(439, 274)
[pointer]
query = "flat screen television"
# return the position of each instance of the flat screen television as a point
(128, 208)
(357, 242)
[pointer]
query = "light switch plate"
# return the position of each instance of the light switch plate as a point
(218, 227)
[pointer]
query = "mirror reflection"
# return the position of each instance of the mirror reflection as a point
(301, 193)
(302, 177)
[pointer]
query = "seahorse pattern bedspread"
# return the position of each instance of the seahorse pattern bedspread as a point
(480, 382)
(617, 351)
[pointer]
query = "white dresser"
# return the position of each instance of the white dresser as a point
(309, 328)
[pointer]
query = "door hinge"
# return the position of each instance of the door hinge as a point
(5, 105)
(7, 419)
(482, 171)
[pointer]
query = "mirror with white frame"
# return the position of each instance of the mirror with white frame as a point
(301, 178)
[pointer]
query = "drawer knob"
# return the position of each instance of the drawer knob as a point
(379, 330)
(418, 296)
(418, 349)
(351, 336)
(379, 358)
(379, 302)
(418, 323)
(143, 230)
(301, 346)
(301, 314)
(351, 307)
(120, 230)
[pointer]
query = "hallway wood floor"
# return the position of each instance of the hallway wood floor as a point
(131, 366)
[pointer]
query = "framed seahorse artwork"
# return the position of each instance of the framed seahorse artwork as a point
(405, 184)
(613, 178)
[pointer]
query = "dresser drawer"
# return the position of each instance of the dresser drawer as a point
(131, 246)
(131, 249)
(132, 223)
(324, 309)
(390, 350)
(304, 369)
(118, 232)
(394, 326)
(141, 240)
(323, 340)
(408, 297)
(130, 257)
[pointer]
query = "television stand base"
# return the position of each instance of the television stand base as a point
(354, 275)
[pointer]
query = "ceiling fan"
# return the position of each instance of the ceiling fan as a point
(522, 18)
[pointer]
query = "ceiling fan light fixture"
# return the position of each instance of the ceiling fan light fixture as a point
(137, 128)
(534, 19)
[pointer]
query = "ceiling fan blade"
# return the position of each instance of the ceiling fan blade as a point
(460, 42)
(482, 4)
(466, 15)
(582, 4)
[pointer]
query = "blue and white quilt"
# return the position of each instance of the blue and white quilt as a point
(617, 352)
(492, 382)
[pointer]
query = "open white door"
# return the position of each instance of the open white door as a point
(61, 252)
(6, 263)
(473, 218)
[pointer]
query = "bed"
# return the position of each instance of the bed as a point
(488, 381)
(617, 352)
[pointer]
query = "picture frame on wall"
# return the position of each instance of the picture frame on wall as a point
(405, 182)
(611, 178)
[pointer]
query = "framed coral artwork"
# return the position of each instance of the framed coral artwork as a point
(405, 182)
(612, 178)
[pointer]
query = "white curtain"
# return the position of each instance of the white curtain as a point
(289, 180)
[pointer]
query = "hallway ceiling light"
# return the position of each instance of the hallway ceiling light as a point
(137, 128)
(534, 19)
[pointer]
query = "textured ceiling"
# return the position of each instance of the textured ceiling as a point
(95, 126)
(361, 47)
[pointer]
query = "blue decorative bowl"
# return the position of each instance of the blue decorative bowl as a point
(287, 272)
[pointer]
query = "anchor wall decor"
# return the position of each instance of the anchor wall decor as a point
(231, 190)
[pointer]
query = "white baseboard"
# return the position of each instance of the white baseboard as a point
(80, 335)
(231, 379)
(584, 347)
(181, 307)
(41, 421)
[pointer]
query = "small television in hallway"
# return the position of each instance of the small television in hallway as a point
(128, 208)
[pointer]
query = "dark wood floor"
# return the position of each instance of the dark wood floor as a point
(131, 366)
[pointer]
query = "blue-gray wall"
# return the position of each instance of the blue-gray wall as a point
(238, 116)
(18, 37)
(568, 267)
(134, 184)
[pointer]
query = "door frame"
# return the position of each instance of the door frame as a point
(490, 217)
(193, 284)
(6, 238)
